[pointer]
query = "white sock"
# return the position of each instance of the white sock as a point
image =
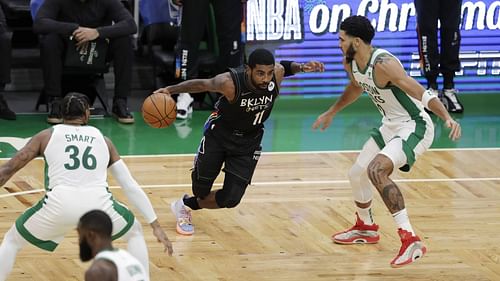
(11, 244)
(402, 220)
(136, 245)
(365, 215)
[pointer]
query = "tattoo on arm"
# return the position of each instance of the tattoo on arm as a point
(383, 58)
(393, 198)
(26, 154)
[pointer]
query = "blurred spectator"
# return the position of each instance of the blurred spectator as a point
(85, 20)
(228, 18)
(446, 61)
(5, 56)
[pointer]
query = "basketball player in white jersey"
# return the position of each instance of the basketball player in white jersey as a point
(110, 264)
(406, 132)
(77, 157)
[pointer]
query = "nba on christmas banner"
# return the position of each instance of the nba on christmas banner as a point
(303, 30)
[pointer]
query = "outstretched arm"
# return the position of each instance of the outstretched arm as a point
(31, 150)
(136, 195)
(351, 93)
(222, 83)
(390, 72)
(287, 68)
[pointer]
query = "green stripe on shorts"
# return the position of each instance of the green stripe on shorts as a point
(45, 245)
(126, 214)
(377, 137)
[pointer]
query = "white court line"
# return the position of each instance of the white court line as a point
(277, 183)
(297, 152)
(316, 152)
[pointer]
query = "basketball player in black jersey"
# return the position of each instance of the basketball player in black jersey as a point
(234, 131)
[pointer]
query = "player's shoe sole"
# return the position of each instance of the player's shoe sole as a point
(415, 255)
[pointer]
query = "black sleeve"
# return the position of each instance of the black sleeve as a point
(124, 23)
(46, 19)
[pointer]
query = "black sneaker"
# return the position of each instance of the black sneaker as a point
(120, 111)
(55, 116)
(5, 112)
(450, 100)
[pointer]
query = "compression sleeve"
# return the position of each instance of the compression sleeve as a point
(132, 190)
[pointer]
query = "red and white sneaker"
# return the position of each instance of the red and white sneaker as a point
(411, 249)
(360, 233)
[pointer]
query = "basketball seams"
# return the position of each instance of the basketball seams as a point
(158, 117)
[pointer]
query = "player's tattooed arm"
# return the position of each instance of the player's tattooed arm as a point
(29, 152)
(383, 59)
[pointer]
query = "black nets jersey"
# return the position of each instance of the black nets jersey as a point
(250, 107)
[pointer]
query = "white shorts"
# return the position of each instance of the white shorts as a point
(402, 142)
(45, 224)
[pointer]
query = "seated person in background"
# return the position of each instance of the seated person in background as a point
(85, 20)
(5, 48)
(228, 17)
(94, 236)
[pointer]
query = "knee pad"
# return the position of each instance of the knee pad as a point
(360, 184)
(201, 186)
(231, 193)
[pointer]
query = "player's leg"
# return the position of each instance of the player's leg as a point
(125, 225)
(207, 166)
(244, 151)
(239, 170)
(208, 163)
(364, 230)
(11, 244)
(136, 244)
(401, 152)
(43, 225)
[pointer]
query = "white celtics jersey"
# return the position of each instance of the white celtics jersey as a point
(128, 267)
(76, 156)
(391, 101)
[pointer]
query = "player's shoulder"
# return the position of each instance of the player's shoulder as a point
(386, 61)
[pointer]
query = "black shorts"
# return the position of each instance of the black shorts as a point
(239, 152)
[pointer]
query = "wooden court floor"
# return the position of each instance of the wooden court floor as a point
(282, 229)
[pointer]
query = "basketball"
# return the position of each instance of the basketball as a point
(159, 110)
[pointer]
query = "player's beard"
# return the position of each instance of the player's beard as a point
(85, 251)
(349, 54)
(261, 86)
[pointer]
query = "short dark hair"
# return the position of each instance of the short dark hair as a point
(358, 26)
(260, 56)
(97, 221)
(74, 105)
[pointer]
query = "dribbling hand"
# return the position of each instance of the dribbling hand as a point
(162, 91)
